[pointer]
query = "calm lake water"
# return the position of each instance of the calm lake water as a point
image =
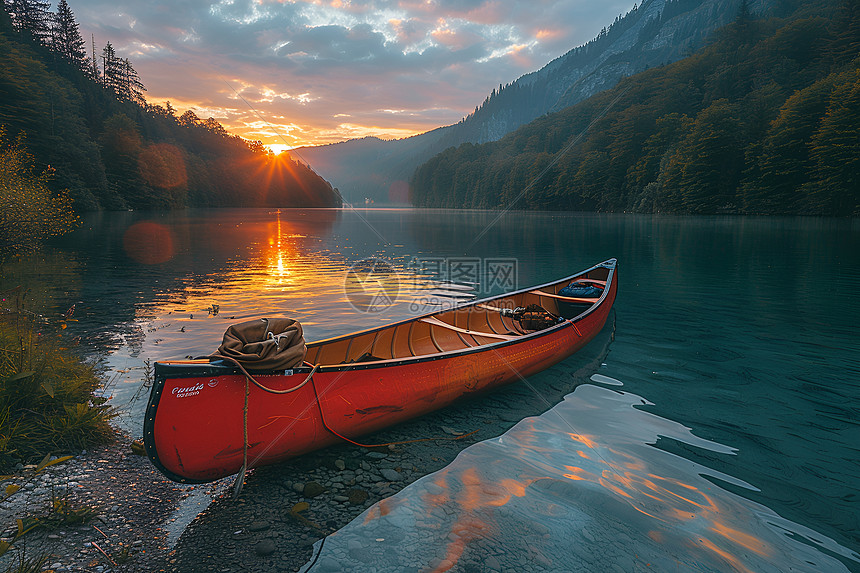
(720, 434)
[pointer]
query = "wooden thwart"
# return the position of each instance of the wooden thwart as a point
(436, 322)
(565, 298)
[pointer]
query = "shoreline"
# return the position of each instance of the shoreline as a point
(285, 508)
(132, 501)
(163, 526)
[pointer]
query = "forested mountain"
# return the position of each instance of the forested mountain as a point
(84, 116)
(765, 119)
(651, 34)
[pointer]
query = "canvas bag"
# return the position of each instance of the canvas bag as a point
(264, 344)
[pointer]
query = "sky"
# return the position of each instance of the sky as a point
(311, 72)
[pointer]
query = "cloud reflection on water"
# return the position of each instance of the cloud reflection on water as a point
(581, 487)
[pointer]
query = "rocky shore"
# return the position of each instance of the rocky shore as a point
(103, 510)
(283, 509)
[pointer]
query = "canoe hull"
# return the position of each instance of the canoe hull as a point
(194, 426)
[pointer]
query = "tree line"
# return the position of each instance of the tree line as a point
(59, 32)
(84, 119)
(764, 119)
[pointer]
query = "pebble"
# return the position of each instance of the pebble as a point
(265, 547)
(312, 489)
(258, 526)
(357, 496)
(299, 487)
(390, 474)
(340, 498)
(377, 455)
(340, 464)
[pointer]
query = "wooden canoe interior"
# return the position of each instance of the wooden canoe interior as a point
(461, 328)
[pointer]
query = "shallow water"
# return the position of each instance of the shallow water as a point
(583, 488)
(741, 329)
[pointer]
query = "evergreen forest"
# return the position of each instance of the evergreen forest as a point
(82, 117)
(765, 119)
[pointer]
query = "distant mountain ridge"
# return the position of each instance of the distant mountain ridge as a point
(764, 119)
(655, 33)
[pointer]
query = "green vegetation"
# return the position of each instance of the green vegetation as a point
(29, 210)
(108, 148)
(47, 400)
(765, 119)
(24, 564)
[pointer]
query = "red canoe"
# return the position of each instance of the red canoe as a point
(195, 423)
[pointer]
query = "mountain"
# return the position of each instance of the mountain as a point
(90, 129)
(655, 33)
(764, 119)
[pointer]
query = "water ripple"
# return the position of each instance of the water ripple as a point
(583, 488)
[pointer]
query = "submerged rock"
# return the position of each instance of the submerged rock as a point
(312, 489)
(390, 474)
(357, 496)
(265, 547)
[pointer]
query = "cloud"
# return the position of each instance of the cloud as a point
(331, 69)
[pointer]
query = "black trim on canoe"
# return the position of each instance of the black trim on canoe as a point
(215, 369)
(163, 371)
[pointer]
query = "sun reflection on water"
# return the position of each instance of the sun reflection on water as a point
(286, 263)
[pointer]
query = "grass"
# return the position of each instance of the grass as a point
(47, 394)
(24, 564)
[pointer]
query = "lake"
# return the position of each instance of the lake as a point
(720, 431)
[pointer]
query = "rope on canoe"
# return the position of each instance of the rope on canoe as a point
(240, 478)
(249, 378)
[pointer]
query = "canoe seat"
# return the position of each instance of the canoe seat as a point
(436, 322)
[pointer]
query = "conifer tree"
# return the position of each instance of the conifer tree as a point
(132, 88)
(67, 40)
(31, 16)
(111, 69)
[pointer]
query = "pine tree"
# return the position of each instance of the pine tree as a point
(120, 76)
(31, 16)
(111, 69)
(784, 163)
(67, 40)
(131, 87)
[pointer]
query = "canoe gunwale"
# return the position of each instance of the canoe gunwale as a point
(203, 368)
(609, 264)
